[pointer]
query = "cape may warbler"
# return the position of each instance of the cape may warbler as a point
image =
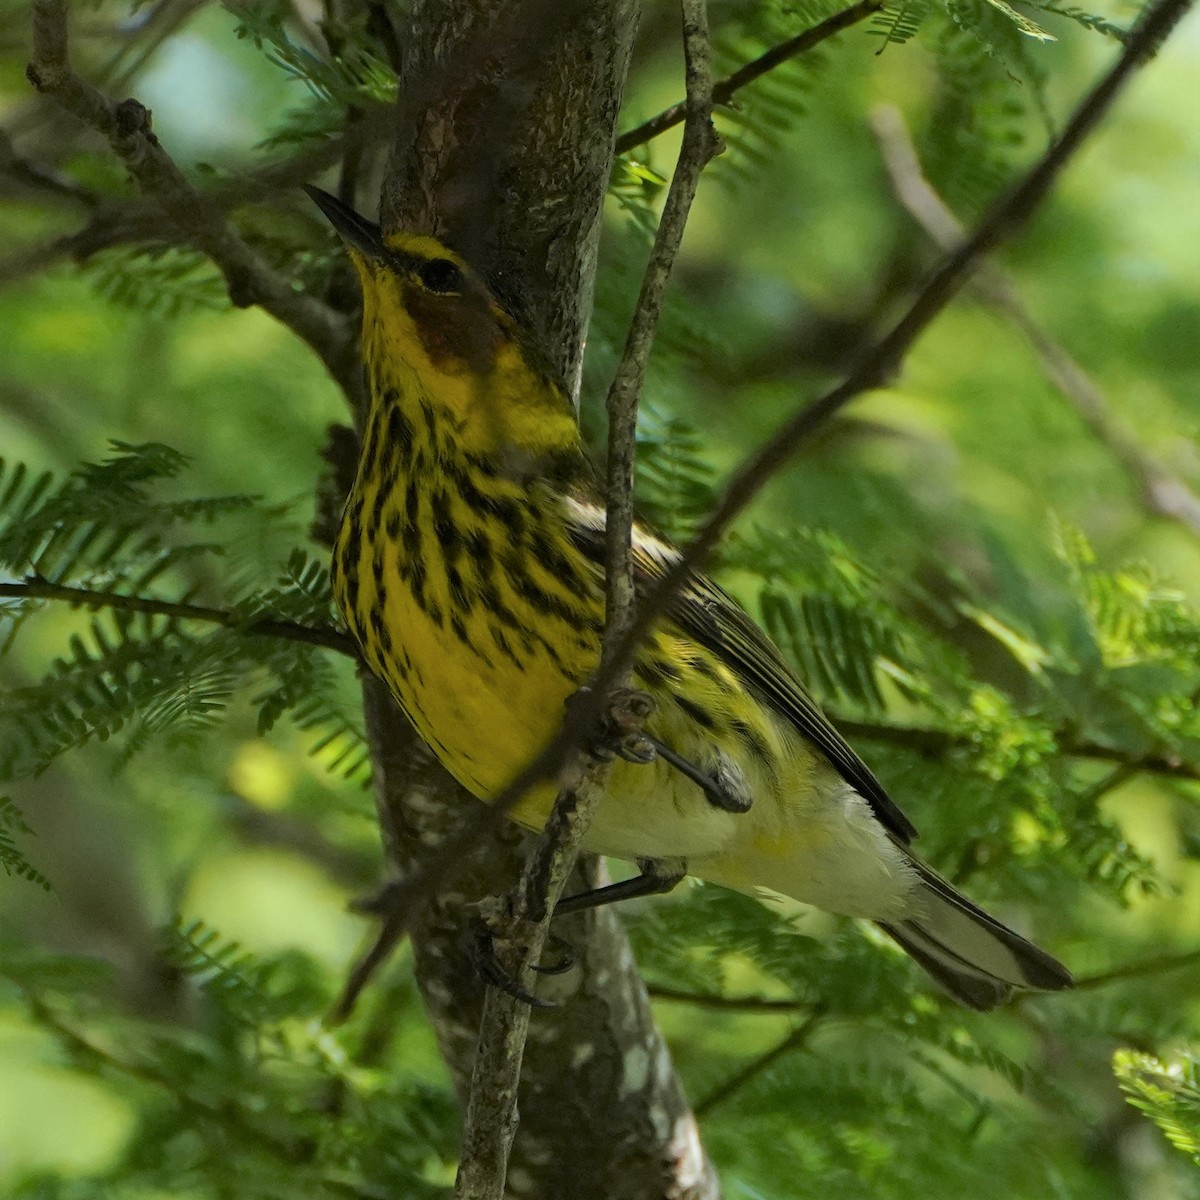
(468, 569)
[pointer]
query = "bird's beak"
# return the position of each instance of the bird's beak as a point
(356, 231)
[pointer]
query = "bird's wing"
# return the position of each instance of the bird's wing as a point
(710, 615)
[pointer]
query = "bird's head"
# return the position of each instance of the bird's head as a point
(432, 328)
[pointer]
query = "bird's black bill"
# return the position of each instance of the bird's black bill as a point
(354, 230)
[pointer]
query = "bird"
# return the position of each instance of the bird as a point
(468, 568)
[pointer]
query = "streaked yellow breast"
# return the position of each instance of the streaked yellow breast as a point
(466, 597)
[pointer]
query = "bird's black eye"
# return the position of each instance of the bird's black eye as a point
(440, 275)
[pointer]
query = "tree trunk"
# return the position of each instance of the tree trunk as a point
(503, 146)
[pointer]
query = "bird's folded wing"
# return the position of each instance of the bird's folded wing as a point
(710, 615)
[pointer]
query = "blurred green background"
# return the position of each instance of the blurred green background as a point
(956, 481)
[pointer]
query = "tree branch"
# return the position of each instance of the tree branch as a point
(491, 1120)
(879, 363)
(724, 90)
(274, 627)
(1137, 970)
(36, 175)
(126, 125)
(117, 223)
(503, 147)
(759, 1005)
(936, 743)
(1162, 491)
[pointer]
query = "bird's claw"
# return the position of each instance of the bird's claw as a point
(564, 962)
(493, 972)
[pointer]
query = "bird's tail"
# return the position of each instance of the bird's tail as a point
(975, 958)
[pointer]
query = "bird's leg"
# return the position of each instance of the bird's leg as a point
(622, 734)
(658, 875)
(726, 789)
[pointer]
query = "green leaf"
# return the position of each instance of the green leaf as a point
(1167, 1091)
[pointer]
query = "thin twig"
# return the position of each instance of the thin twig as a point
(238, 1123)
(701, 144)
(274, 627)
(36, 175)
(1136, 970)
(736, 1082)
(936, 743)
(757, 1005)
(1164, 493)
(116, 223)
(491, 1117)
(724, 90)
(874, 367)
(126, 125)
(881, 362)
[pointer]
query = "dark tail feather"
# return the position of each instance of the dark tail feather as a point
(976, 959)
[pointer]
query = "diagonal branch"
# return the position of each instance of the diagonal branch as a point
(881, 362)
(936, 743)
(1162, 491)
(874, 368)
(724, 90)
(491, 1117)
(794, 1041)
(45, 179)
(126, 125)
(115, 223)
(1138, 970)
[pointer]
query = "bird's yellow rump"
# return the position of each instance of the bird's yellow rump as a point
(468, 568)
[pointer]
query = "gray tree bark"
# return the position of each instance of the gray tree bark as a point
(502, 148)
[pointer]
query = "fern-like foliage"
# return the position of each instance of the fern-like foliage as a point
(102, 523)
(14, 862)
(636, 187)
(765, 110)
(136, 677)
(980, 121)
(899, 21)
(1167, 1092)
(352, 78)
(245, 988)
(835, 618)
(352, 75)
(674, 475)
(153, 279)
(1091, 21)
(255, 1091)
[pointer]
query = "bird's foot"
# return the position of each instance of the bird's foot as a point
(622, 735)
(620, 729)
(725, 789)
(487, 962)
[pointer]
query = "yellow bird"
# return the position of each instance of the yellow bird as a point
(468, 568)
